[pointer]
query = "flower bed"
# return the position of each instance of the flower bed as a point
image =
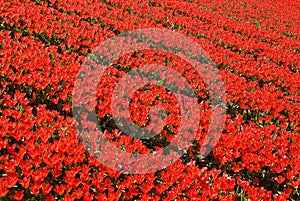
(256, 48)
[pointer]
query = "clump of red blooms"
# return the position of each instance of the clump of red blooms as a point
(254, 44)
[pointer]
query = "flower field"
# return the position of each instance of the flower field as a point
(255, 48)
